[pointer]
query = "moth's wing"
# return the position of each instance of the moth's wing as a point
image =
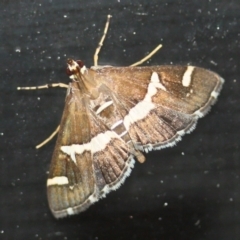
(89, 160)
(160, 104)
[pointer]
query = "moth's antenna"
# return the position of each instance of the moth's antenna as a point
(95, 57)
(147, 57)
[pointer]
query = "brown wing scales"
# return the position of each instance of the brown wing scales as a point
(95, 146)
(176, 109)
(88, 175)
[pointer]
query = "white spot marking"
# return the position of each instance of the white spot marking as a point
(142, 109)
(116, 124)
(214, 94)
(187, 77)
(92, 199)
(199, 113)
(103, 106)
(70, 211)
(97, 143)
(57, 181)
(181, 132)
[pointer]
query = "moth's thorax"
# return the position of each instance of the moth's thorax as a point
(91, 84)
(84, 78)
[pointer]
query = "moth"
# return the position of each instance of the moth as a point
(111, 115)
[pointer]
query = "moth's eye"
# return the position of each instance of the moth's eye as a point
(80, 63)
(73, 66)
(68, 71)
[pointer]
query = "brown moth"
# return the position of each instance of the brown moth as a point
(111, 114)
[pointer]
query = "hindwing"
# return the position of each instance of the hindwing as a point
(160, 104)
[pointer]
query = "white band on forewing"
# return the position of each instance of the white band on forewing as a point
(61, 180)
(97, 143)
(142, 109)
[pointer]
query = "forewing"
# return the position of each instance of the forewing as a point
(89, 160)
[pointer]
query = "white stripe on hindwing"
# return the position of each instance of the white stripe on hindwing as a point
(138, 112)
(142, 109)
(116, 124)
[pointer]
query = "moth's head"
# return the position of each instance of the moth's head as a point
(75, 68)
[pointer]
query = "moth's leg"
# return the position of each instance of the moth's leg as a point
(139, 156)
(95, 57)
(148, 56)
(49, 138)
(51, 85)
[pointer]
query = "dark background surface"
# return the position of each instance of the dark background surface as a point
(190, 191)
